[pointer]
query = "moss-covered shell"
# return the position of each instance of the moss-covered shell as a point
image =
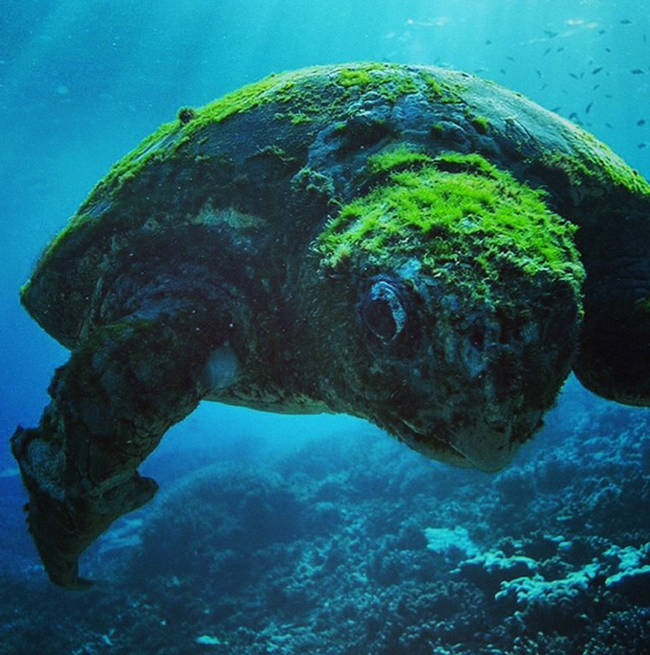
(308, 141)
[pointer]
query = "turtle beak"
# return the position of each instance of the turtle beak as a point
(508, 386)
(488, 386)
(491, 447)
(486, 446)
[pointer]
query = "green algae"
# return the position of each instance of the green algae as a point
(303, 96)
(308, 100)
(591, 175)
(457, 213)
(390, 81)
(456, 162)
(394, 159)
(298, 117)
(480, 123)
(169, 137)
(354, 77)
(438, 90)
(593, 169)
(437, 129)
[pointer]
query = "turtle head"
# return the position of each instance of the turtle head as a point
(453, 309)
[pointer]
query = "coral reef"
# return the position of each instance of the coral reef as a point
(349, 544)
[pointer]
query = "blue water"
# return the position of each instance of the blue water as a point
(81, 83)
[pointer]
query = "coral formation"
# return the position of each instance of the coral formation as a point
(351, 544)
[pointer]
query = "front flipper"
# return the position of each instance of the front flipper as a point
(614, 353)
(111, 403)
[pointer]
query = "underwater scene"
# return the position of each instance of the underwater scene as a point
(325, 328)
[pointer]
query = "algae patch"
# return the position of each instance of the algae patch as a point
(454, 212)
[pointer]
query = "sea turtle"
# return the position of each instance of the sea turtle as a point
(406, 244)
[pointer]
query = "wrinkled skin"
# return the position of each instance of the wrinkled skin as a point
(198, 276)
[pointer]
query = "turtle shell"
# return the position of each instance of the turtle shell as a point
(295, 147)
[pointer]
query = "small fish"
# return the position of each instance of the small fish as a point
(625, 21)
(556, 109)
(547, 51)
(596, 70)
(588, 107)
(573, 116)
(636, 71)
(608, 49)
(574, 76)
(601, 32)
(510, 58)
(551, 35)
(596, 86)
(539, 73)
(502, 71)
(641, 122)
(640, 146)
(488, 42)
(609, 125)
(560, 49)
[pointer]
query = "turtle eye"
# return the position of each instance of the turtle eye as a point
(383, 312)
